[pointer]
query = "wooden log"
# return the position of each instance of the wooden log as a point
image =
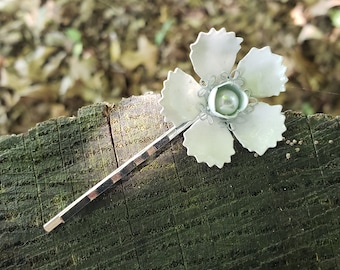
(278, 211)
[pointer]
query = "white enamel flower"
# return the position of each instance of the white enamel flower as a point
(224, 104)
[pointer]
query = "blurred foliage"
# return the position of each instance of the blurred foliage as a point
(58, 55)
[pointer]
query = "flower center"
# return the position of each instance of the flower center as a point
(227, 100)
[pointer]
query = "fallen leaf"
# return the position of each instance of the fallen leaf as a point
(321, 8)
(297, 15)
(146, 55)
(115, 50)
(309, 31)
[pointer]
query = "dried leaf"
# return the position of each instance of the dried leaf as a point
(321, 8)
(309, 31)
(66, 83)
(147, 55)
(115, 50)
(8, 6)
(298, 16)
(86, 10)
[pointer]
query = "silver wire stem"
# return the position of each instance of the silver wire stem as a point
(115, 176)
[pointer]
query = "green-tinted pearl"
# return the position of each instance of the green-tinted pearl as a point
(226, 102)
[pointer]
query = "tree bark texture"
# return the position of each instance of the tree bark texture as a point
(278, 211)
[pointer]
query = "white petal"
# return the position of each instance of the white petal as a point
(214, 52)
(208, 142)
(263, 72)
(261, 128)
(180, 99)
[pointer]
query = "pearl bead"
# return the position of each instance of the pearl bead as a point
(226, 101)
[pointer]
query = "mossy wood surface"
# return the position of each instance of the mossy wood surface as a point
(278, 211)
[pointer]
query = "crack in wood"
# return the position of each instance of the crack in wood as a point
(107, 114)
(315, 142)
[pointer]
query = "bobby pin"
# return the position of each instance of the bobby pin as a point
(222, 107)
(114, 177)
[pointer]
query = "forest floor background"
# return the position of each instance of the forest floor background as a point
(59, 55)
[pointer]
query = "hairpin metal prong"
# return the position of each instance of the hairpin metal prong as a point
(115, 176)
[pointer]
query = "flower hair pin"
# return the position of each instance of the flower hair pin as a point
(225, 100)
(223, 105)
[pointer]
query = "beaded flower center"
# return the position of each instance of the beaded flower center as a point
(227, 100)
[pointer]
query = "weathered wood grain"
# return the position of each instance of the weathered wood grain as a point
(278, 211)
